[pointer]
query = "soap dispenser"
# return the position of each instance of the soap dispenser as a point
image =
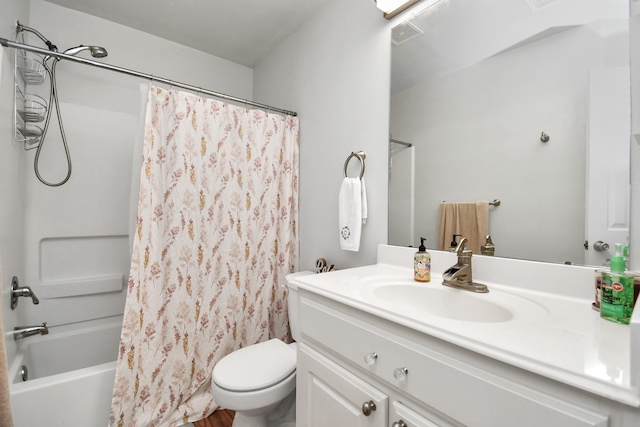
(454, 244)
(616, 303)
(422, 263)
(488, 248)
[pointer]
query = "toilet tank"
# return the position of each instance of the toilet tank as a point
(292, 302)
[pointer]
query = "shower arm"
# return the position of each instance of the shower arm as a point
(52, 47)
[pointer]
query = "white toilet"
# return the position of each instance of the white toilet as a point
(254, 380)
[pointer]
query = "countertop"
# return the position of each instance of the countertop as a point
(560, 337)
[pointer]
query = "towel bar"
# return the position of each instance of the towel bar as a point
(496, 202)
(361, 155)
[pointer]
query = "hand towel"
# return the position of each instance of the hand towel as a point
(471, 220)
(363, 191)
(352, 212)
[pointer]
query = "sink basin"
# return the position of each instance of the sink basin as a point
(433, 299)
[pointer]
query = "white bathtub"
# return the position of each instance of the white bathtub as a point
(71, 374)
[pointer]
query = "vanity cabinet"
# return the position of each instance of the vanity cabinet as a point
(349, 358)
(334, 396)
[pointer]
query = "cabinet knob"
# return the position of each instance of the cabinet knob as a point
(399, 423)
(368, 408)
(400, 373)
(370, 358)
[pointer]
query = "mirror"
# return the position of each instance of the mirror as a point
(517, 100)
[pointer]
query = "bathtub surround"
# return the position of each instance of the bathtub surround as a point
(216, 235)
(70, 374)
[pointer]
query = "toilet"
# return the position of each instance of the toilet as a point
(253, 381)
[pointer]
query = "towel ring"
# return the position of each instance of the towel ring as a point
(361, 155)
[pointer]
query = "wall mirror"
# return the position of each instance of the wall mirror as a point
(519, 100)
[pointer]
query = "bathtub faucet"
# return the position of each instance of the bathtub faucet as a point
(20, 332)
(17, 291)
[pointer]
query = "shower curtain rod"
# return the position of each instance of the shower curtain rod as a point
(35, 49)
(406, 144)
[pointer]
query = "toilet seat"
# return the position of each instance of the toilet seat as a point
(255, 367)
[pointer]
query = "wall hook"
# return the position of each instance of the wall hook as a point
(544, 137)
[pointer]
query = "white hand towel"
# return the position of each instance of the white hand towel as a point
(351, 210)
(364, 201)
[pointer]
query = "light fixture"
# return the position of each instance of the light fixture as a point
(392, 8)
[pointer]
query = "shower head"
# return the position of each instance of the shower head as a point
(96, 51)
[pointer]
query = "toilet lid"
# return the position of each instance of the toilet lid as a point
(255, 367)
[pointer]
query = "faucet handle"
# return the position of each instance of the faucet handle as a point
(17, 291)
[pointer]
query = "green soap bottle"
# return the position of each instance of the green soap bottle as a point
(616, 304)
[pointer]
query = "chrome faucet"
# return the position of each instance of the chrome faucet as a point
(460, 275)
(20, 332)
(17, 291)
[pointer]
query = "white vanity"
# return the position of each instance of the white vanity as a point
(379, 349)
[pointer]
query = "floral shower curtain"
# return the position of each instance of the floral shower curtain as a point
(216, 236)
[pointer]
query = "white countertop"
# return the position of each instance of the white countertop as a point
(560, 337)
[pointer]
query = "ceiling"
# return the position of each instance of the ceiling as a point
(452, 35)
(241, 31)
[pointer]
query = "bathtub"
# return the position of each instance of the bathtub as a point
(71, 373)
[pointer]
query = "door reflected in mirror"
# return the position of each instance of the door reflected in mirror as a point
(529, 106)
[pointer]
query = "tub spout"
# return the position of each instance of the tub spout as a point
(20, 332)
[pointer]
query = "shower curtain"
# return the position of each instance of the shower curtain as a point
(6, 417)
(216, 236)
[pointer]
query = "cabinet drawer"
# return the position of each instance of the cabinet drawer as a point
(328, 395)
(401, 416)
(456, 388)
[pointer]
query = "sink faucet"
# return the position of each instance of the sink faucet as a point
(460, 276)
(20, 332)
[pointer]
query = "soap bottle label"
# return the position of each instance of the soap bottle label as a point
(616, 303)
(422, 267)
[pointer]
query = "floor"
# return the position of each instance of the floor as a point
(220, 418)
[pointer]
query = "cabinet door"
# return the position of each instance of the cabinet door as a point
(402, 416)
(329, 395)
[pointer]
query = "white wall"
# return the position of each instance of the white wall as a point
(335, 73)
(634, 238)
(477, 137)
(11, 173)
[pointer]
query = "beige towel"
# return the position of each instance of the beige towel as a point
(6, 419)
(471, 220)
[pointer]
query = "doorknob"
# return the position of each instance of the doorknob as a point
(601, 246)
